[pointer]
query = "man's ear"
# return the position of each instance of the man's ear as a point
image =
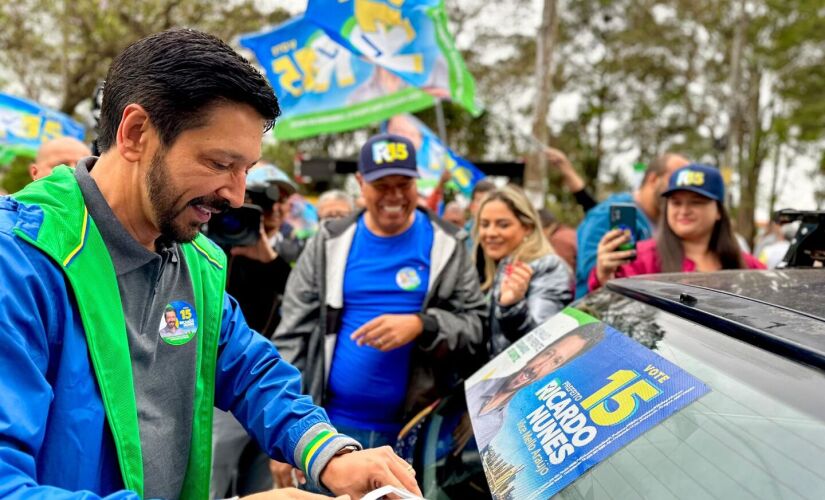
(132, 131)
(33, 171)
(652, 179)
(360, 180)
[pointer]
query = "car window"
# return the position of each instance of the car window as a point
(760, 433)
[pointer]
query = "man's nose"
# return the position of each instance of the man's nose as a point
(234, 191)
(395, 192)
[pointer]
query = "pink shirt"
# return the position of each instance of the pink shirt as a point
(648, 262)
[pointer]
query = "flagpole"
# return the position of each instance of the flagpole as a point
(439, 120)
(442, 129)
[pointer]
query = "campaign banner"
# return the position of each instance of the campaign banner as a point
(322, 87)
(565, 397)
(25, 125)
(407, 38)
(432, 156)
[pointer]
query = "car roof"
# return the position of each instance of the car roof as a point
(782, 311)
(801, 290)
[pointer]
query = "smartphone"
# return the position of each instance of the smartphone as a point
(623, 216)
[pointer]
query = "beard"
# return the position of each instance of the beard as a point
(167, 205)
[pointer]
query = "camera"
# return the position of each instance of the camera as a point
(236, 226)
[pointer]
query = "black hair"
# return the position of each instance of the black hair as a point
(176, 75)
(482, 186)
(591, 333)
(547, 218)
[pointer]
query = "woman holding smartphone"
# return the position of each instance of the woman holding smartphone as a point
(525, 280)
(695, 234)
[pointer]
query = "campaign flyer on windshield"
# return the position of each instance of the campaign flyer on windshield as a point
(565, 397)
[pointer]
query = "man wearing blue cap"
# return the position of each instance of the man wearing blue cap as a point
(383, 310)
(696, 234)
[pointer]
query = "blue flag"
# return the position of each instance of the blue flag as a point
(408, 38)
(25, 125)
(322, 87)
(432, 156)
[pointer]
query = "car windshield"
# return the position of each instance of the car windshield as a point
(760, 432)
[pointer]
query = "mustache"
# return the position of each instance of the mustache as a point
(214, 202)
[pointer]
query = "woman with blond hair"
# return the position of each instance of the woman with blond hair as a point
(525, 280)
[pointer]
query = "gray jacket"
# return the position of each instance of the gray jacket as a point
(451, 347)
(550, 290)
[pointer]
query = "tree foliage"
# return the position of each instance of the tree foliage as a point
(644, 77)
(650, 76)
(58, 50)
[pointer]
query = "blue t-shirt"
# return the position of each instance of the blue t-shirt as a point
(593, 228)
(384, 275)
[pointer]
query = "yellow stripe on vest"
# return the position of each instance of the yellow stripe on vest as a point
(83, 233)
(203, 252)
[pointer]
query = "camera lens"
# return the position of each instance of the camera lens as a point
(236, 227)
(231, 225)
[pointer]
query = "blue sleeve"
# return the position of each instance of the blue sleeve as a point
(264, 393)
(30, 321)
(590, 232)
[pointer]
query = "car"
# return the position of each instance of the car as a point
(756, 338)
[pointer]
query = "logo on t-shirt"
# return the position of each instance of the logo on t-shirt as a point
(408, 279)
(179, 323)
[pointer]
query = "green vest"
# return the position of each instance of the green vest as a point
(70, 237)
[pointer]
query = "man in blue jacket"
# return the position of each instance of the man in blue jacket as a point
(647, 200)
(95, 400)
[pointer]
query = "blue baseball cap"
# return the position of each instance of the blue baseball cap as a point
(704, 180)
(387, 154)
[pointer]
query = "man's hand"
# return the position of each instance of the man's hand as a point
(389, 331)
(609, 258)
(359, 472)
(290, 494)
(285, 475)
(260, 251)
(515, 284)
(558, 160)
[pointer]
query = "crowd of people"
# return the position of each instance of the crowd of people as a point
(386, 308)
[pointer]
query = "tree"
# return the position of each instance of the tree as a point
(783, 60)
(58, 51)
(17, 175)
(535, 179)
(685, 75)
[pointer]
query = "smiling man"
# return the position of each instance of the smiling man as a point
(383, 310)
(94, 399)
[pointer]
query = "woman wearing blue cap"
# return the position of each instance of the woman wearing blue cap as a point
(696, 234)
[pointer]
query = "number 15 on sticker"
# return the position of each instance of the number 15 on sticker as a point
(618, 400)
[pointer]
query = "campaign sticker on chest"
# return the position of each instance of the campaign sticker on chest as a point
(408, 279)
(179, 323)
